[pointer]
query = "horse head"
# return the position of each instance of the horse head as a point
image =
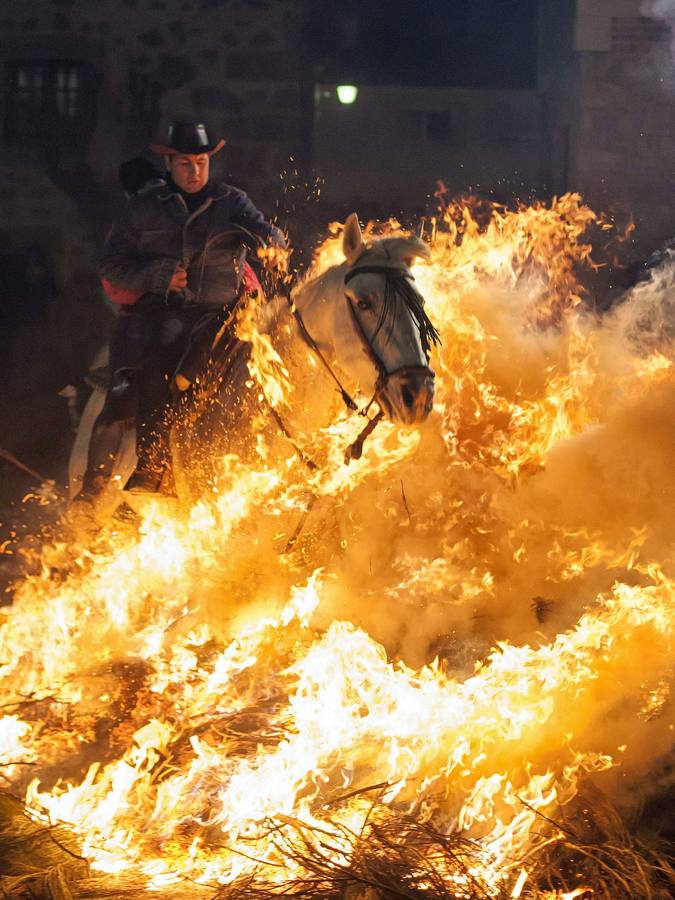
(383, 336)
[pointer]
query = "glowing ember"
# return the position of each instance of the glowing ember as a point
(208, 694)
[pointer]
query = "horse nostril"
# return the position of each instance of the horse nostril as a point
(408, 398)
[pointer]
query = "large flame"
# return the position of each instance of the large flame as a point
(185, 691)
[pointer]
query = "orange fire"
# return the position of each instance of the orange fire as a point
(476, 616)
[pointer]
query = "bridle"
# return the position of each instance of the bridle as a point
(397, 284)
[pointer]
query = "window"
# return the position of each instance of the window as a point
(42, 92)
(436, 126)
(68, 90)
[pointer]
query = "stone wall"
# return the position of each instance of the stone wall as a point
(232, 62)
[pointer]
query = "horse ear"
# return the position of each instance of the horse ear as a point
(352, 239)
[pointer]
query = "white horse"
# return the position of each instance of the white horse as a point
(362, 322)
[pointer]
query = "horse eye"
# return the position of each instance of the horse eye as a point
(364, 304)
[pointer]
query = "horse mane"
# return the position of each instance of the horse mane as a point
(404, 249)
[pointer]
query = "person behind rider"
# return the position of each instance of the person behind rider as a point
(180, 247)
(136, 176)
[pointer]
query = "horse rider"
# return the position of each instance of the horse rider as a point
(174, 256)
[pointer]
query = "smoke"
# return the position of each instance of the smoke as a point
(664, 11)
(482, 559)
(660, 9)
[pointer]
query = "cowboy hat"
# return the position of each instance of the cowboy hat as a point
(187, 138)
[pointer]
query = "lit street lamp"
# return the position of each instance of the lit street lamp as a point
(347, 93)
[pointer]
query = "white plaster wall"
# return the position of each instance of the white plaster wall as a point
(378, 150)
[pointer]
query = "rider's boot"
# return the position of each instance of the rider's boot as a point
(147, 476)
(152, 473)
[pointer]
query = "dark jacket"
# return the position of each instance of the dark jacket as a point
(156, 232)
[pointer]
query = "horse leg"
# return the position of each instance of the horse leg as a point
(79, 455)
(98, 446)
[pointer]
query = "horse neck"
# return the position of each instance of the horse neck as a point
(314, 400)
(315, 300)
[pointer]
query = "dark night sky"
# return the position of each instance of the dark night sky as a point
(463, 43)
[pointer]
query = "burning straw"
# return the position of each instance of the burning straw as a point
(391, 857)
(36, 859)
(594, 848)
(588, 853)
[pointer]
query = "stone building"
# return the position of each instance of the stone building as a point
(449, 93)
(394, 145)
(597, 118)
(84, 85)
(608, 86)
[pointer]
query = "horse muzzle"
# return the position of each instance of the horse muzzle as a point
(407, 395)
